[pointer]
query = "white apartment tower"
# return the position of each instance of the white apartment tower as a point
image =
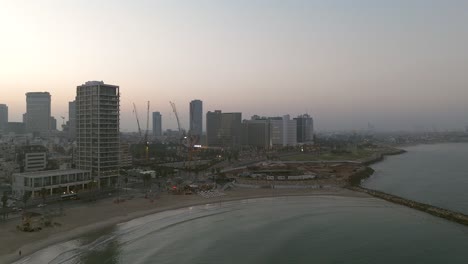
(97, 131)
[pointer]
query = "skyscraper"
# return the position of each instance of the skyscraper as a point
(97, 131)
(3, 117)
(37, 117)
(157, 124)
(305, 128)
(223, 129)
(196, 117)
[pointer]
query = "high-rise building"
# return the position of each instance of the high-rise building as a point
(3, 117)
(157, 124)
(196, 118)
(223, 129)
(97, 131)
(305, 128)
(283, 131)
(72, 120)
(52, 124)
(37, 117)
(257, 132)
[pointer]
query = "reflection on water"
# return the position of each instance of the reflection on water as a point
(277, 230)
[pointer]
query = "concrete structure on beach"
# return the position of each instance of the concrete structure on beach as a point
(53, 181)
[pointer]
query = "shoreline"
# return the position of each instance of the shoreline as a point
(72, 232)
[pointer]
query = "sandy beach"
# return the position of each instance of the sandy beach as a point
(90, 217)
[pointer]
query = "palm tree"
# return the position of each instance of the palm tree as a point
(26, 197)
(43, 194)
(4, 200)
(4, 205)
(147, 180)
(126, 182)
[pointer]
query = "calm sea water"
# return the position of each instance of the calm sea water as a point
(433, 174)
(320, 229)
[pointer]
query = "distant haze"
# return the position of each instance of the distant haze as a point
(396, 64)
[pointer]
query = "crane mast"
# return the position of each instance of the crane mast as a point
(146, 133)
(145, 138)
(176, 115)
(138, 121)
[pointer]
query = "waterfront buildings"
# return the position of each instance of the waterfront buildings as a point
(196, 118)
(305, 128)
(223, 129)
(37, 116)
(97, 131)
(53, 181)
(157, 124)
(3, 117)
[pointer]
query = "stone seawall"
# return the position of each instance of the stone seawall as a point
(379, 157)
(430, 209)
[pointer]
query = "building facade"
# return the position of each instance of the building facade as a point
(256, 133)
(37, 116)
(72, 120)
(98, 131)
(53, 181)
(32, 158)
(196, 118)
(223, 129)
(157, 124)
(283, 131)
(3, 117)
(305, 129)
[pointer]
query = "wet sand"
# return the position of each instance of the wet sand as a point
(90, 217)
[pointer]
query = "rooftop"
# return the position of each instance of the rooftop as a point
(49, 173)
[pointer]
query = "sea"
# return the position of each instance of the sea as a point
(300, 229)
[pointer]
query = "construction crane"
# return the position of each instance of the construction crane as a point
(145, 138)
(146, 132)
(176, 115)
(186, 140)
(138, 120)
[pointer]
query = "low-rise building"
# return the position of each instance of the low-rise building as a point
(54, 181)
(32, 158)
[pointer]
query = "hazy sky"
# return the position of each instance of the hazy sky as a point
(397, 64)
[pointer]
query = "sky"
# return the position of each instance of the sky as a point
(400, 65)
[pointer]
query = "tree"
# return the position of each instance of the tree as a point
(147, 180)
(43, 194)
(126, 182)
(4, 200)
(4, 205)
(26, 197)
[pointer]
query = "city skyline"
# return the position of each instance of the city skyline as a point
(397, 65)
